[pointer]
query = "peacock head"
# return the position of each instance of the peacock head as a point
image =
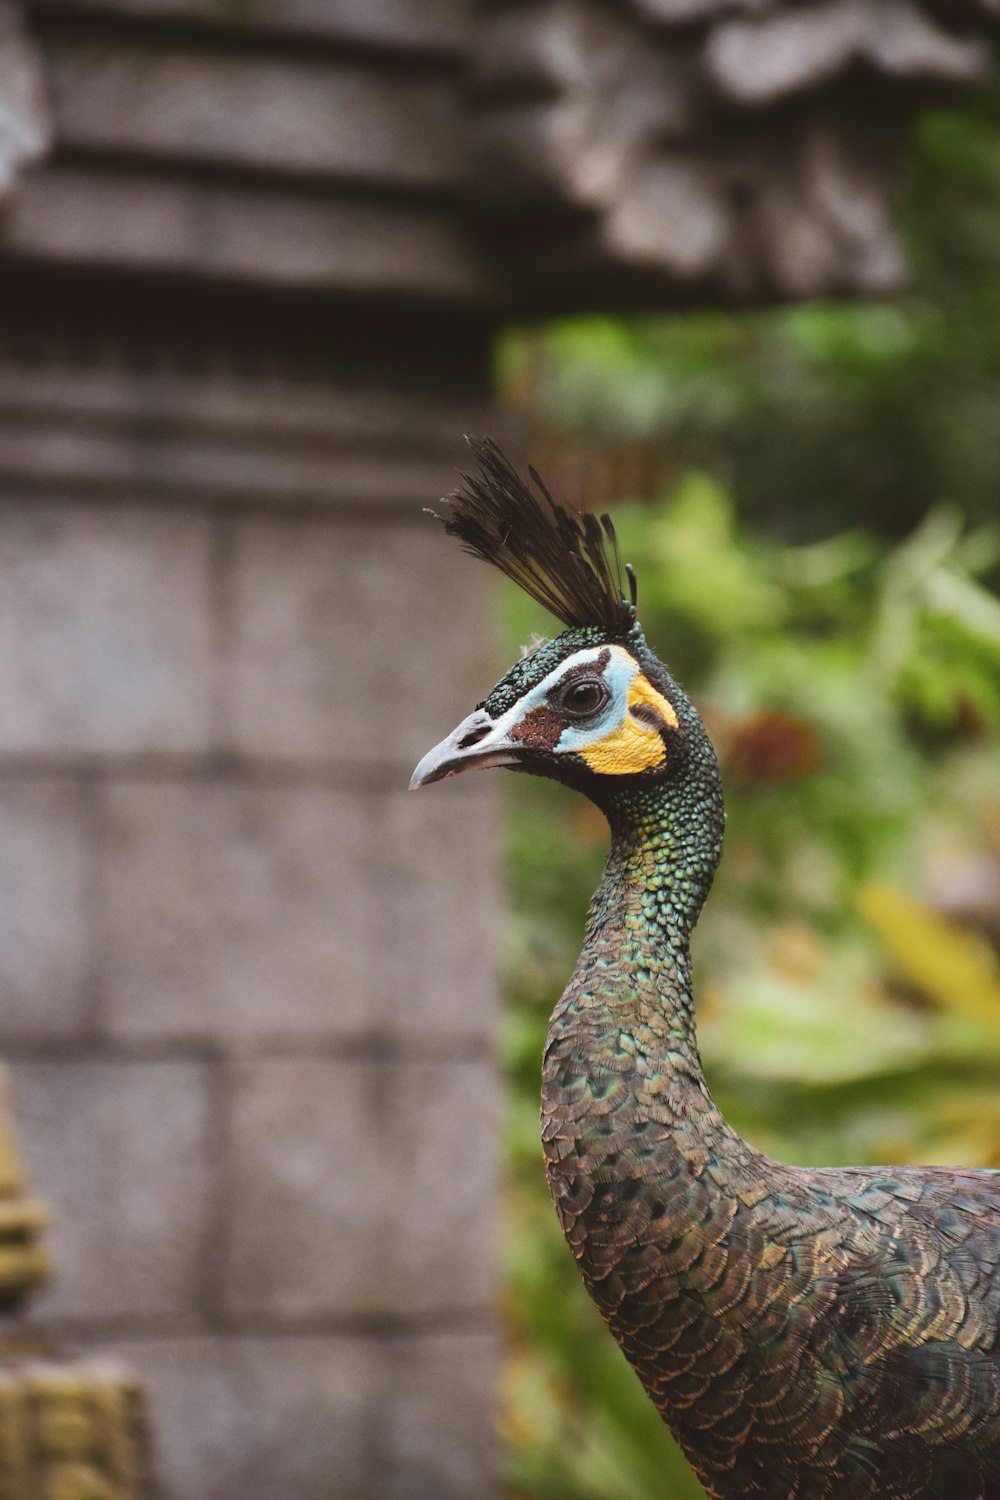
(594, 707)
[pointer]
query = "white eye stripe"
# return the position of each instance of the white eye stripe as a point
(613, 664)
(539, 695)
(567, 670)
(564, 672)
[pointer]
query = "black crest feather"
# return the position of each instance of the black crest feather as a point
(567, 561)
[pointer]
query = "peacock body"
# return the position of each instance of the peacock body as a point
(804, 1333)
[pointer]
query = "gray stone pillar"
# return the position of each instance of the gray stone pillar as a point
(247, 982)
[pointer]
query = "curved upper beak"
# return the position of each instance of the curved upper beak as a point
(476, 743)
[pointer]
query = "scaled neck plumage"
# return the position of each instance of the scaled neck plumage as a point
(628, 1009)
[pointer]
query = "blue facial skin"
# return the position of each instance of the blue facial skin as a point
(618, 677)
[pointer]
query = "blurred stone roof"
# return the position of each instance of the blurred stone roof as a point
(520, 156)
(728, 149)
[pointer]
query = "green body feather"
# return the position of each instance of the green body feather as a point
(804, 1333)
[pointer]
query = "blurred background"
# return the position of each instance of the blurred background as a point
(728, 268)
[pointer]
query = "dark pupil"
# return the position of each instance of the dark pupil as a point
(583, 697)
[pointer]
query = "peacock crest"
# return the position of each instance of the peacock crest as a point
(567, 561)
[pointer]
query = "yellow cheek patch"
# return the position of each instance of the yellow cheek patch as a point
(634, 746)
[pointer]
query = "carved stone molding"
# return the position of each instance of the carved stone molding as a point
(225, 440)
(517, 157)
(672, 151)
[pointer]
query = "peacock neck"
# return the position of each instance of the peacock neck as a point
(665, 845)
(638, 1157)
(628, 1009)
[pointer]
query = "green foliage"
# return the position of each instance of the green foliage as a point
(848, 991)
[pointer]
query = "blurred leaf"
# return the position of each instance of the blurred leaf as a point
(952, 967)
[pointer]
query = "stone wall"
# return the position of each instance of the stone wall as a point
(246, 978)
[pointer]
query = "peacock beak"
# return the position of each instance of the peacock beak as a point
(476, 743)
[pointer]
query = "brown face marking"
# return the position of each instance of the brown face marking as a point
(646, 714)
(541, 728)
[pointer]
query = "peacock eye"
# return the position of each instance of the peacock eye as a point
(583, 697)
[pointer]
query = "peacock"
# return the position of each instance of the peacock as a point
(804, 1332)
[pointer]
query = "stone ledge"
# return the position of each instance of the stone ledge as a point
(127, 219)
(417, 25)
(227, 440)
(240, 406)
(157, 767)
(371, 1045)
(328, 117)
(43, 455)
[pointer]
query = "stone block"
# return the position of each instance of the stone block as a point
(361, 1187)
(122, 1151)
(261, 1418)
(126, 218)
(435, 25)
(221, 437)
(320, 416)
(47, 874)
(436, 1438)
(235, 911)
(359, 643)
(245, 912)
(312, 115)
(105, 637)
(164, 462)
(435, 888)
(323, 1418)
